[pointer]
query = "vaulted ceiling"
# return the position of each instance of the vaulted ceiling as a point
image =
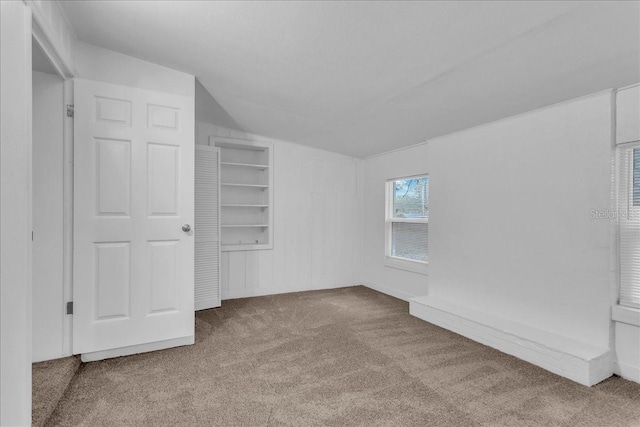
(362, 78)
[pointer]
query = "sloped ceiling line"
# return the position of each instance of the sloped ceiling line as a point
(361, 78)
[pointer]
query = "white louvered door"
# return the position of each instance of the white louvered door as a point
(207, 228)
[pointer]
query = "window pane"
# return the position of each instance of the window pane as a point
(636, 177)
(411, 198)
(409, 240)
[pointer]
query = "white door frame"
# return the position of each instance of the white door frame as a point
(44, 38)
(15, 214)
(24, 21)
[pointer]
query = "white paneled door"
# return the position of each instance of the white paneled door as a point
(133, 209)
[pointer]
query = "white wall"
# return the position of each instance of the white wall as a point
(377, 170)
(317, 223)
(628, 114)
(15, 214)
(209, 110)
(49, 316)
(510, 232)
(96, 63)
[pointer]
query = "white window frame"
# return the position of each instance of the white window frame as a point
(396, 262)
(626, 210)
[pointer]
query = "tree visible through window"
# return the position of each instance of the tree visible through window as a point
(408, 218)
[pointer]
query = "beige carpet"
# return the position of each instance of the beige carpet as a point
(341, 357)
(50, 380)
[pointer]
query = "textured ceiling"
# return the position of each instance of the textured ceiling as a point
(362, 78)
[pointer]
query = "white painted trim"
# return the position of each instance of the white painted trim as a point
(15, 214)
(396, 262)
(225, 142)
(396, 150)
(628, 87)
(67, 226)
(47, 47)
(627, 145)
(622, 184)
(247, 136)
(388, 291)
(626, 371)
(206, 304)
(407, 265)
(44, 36)
(66, 20)
(582, 363)
(628, 315)
(410, 220)
(271, 291)
(135, 349)
(50, 46)
(614, 270)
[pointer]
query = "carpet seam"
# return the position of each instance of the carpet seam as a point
(67, 390)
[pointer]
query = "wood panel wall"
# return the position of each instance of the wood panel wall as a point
(317, 223)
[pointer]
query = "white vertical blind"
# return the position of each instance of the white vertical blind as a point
(629, 225)
(207, 227)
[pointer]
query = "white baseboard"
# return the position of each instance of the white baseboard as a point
(389, 291)
(582, 363)
(626, 371)
(250, 293)
(206, 304)
(135, 349)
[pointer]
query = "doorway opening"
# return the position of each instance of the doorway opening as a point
(53, 369)
(49, 319)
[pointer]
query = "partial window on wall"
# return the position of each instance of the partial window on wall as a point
(407, 223)
(629, 225)
(636, 177)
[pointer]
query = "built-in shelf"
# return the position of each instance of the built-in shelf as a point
(243, 225)
(232, 184)
(234, 205)
(245, 165)
(246, 192)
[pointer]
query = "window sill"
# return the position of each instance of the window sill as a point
(628, 315)
(401, 264)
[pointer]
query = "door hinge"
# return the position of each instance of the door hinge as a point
(32, 236)
(69, 110)
(70, 307)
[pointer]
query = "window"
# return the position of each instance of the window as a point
(407, 223)
(636, 177)
(629, 225)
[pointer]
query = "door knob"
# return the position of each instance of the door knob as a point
(186, 228)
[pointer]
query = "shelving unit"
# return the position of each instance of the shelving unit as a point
(246, 165)
(230, 184)
(246, 194)
(232, 205)
(244, 225)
